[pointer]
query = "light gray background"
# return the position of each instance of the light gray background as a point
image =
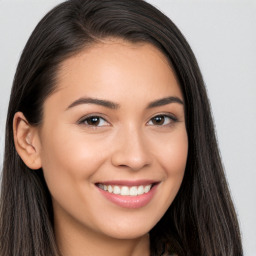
(222, 34)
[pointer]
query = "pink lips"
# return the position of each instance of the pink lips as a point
(132, 202)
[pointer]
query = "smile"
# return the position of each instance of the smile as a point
(126, 190)
(128, 194)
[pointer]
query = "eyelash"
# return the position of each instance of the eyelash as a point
(84, 121)
(172, 119)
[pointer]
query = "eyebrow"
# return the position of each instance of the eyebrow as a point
(112, 105)
(165, 101)
(104, 103)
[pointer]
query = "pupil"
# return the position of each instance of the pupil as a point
(159, 120)
(93, 121)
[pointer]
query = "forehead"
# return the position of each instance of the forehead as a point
(117, 68)
(117, 47)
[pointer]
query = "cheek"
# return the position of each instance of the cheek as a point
(173, 159)
(68, 157)
(172, 153)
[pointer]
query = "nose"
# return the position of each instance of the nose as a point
(131, 150)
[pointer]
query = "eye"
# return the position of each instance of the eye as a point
(96, 121)
(161, 120)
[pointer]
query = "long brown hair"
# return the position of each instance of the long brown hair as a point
(201, 220)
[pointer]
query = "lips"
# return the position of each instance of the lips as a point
(128, 194)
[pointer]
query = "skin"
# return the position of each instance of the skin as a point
(127, 144)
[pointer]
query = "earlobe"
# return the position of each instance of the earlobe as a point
(26, 141)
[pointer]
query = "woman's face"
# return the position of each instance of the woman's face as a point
(113, 142)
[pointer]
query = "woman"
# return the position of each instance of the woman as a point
(110, 147)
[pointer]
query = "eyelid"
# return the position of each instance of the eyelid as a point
(82, 120)
(173, 118)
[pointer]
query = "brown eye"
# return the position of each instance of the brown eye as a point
(162, 120)
(158, 120)
(96, 121)
(93, 120)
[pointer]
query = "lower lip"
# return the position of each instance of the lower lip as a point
(132, 202)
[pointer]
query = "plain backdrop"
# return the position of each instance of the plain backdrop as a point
(222, 34)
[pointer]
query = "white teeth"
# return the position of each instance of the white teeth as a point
(147, 188)
(110, 189)
(116, 190)
(133, 191)
(125, 190)
(140, 190)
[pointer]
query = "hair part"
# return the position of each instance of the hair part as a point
(202, 219)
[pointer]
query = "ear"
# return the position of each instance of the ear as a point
(26, 141)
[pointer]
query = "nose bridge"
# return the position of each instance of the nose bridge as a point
(131, 150)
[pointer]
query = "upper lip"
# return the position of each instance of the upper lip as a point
(128, 182)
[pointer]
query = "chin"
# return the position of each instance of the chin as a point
(123, 231)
